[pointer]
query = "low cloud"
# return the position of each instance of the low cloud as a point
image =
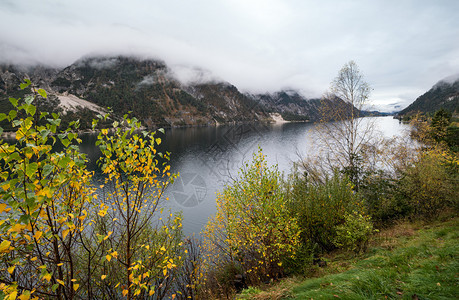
(192, 75)
(451, 79)
(148, 80)
(258, 45)
(103, 63)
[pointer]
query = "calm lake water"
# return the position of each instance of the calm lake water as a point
(209, 157)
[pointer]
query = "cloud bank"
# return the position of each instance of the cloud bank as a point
(402, 47)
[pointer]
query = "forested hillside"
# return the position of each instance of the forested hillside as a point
(149, 90)
(444, 94)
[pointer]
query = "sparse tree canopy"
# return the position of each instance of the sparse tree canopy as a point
(350, 86)
(343, 132)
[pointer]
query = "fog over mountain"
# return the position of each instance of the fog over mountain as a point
(443, 95)
(450, 79)
(402, 47)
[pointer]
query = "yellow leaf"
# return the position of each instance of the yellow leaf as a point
(11, 269)
(38, 235)
(103, 277)
(108, 257)
(4, 246)
(115, 254)
(24, 296)
(5, 187)
(125, 292)
(102, 213)
(2, 207)
(12, 295)
(65, 233)
(162, 248)
(165, 272)
(60, 282)
(75, 286)
(17, 227)
(108, 235)
(47, 277)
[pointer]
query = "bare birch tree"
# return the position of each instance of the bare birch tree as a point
(343, 132)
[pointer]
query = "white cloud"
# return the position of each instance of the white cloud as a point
(148, 80)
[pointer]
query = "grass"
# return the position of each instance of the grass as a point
(407, 261)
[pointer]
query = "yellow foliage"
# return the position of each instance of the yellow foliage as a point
(252, 226)
(5, 246)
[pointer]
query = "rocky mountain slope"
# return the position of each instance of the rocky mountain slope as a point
(444, 94)
(148, 89)
(290, 104)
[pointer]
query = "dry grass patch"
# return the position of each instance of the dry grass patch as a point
(389, 238)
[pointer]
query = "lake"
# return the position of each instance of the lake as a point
(209, 157)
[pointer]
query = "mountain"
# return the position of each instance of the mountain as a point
(444, 94)
(150, 91)
(290, 104)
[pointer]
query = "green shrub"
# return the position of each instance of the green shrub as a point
(303, 261)
(355, 233)
(382, 202)
(428, 185)
(319, 208)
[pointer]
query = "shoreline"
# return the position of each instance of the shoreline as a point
(276, 119)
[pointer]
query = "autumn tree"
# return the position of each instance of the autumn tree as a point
(439, 125)
(138, 244)
(59, 238)
(252, 227)
(342, 129)
(45, 196)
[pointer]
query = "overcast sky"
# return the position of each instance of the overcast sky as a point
(402, 47)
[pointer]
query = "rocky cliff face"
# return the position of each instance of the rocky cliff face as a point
(147, 88)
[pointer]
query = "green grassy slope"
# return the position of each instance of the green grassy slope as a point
(406, 262)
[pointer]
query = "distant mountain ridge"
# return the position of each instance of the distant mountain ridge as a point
(290, 104)
(444, 94)
(148, 88)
